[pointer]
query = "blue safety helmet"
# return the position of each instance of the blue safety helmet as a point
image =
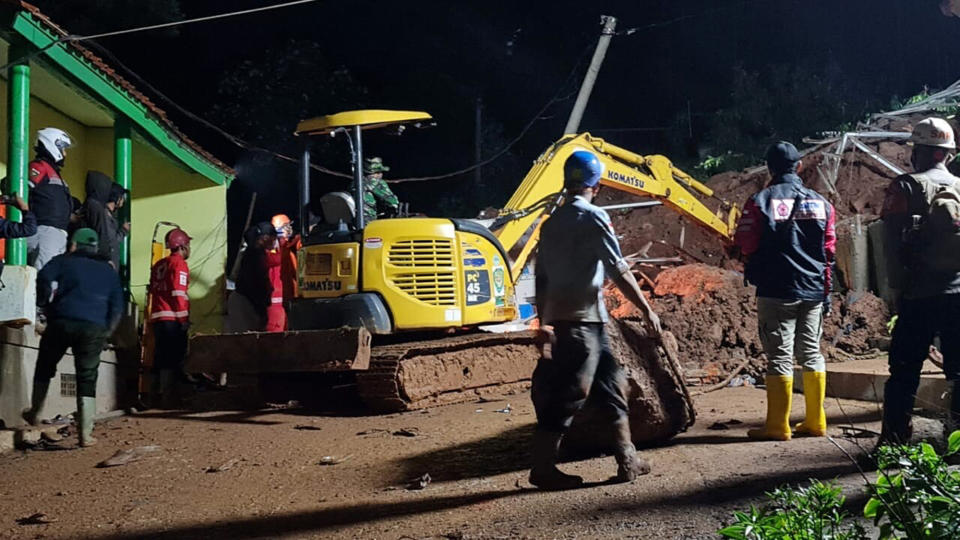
(582, 168)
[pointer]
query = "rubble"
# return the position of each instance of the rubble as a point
(712, 313)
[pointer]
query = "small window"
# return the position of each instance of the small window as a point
(68, 385)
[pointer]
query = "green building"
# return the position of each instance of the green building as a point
(118, 130)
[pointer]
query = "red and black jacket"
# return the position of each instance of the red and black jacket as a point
(50, 197)
(788, 234)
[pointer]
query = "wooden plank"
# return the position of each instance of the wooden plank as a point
(342, 349)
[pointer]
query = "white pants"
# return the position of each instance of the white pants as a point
(45, 245)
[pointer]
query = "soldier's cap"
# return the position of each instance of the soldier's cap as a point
(374, 165)
(85, 237)
(782, 156)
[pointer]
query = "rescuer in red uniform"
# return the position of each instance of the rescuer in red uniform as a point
(170, 314)
(290, 243)
(273, 264)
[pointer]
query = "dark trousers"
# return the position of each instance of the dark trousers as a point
(86, 339)
(581, 368)
(918, 323)
(170, 345)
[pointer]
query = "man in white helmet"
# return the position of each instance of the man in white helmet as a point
(928, 293)
(49, 198)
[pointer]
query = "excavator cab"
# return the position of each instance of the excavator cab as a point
(395, 274)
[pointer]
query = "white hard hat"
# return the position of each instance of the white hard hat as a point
(933, 132)
(54, 141)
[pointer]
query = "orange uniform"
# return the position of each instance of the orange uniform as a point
(276, 315)
(288, 265)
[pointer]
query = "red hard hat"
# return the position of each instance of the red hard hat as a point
(177, 238)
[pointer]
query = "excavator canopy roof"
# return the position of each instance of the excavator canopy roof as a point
(367, 119)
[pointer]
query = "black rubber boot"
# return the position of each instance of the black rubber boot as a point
(629, 464)
(544, 474)
(39, 395)
(897, 410)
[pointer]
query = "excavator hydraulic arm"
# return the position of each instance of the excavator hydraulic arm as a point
(655, 177)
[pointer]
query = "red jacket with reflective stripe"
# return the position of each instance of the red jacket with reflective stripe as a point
(169, 280)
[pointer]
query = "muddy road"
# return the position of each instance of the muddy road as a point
(274, 484)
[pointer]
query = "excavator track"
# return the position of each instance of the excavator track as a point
(420, 374)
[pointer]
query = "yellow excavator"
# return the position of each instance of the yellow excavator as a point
(426, 288)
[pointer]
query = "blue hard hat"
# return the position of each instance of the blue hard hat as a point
(582, 168)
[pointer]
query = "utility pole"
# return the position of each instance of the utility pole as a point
(573, 123)
(478, 144)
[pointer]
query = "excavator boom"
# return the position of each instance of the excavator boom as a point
(652, 176)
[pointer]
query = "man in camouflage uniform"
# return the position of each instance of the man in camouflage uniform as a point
(376, 190)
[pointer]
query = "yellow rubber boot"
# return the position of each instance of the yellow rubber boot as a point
(779, 396)
(814, 392)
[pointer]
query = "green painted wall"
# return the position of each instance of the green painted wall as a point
(163, 190)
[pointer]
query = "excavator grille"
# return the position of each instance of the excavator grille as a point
(428, 252)
(435, 288)
(431, 265)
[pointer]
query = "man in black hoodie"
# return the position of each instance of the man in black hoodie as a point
(104, 199)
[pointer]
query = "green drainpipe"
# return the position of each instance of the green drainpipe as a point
(122, 153)
(18, 142)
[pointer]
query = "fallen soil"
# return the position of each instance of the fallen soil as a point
(860, 187)
(284, 473)
(713, 316)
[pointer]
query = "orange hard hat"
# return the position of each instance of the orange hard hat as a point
(279, 221)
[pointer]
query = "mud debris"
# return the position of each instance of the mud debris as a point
(224, 467)
(129, 455)
(421, 482)
(38, 518)
(712, 313)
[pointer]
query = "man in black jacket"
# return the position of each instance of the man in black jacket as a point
(788, 234)
(104, 199)
(12, 229)
(50, 197)
(83, 311)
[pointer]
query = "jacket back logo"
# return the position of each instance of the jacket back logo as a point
(781, 209)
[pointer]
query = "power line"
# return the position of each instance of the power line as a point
(668, 22)
(195, 20)
(247, 146)
(506, 148)
(72, 38)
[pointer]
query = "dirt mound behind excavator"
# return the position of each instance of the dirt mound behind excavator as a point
(713, 315)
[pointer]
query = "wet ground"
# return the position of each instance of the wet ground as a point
(276, 485)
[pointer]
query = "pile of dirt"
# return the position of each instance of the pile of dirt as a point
(659, 405)
(859, 187)
(713, 316)
(856, 326)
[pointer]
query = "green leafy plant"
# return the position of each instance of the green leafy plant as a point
(916, 495)
(811, 513)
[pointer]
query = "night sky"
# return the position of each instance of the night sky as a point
(440, 56)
